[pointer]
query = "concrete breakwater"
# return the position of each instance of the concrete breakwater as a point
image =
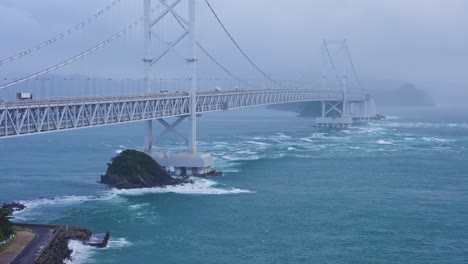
(51, 245)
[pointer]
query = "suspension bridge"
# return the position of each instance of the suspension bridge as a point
(36, 110)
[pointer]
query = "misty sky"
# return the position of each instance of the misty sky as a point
(418, 41)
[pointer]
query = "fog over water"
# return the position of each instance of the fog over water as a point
(420, 41)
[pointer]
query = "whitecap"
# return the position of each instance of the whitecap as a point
(383, 142)
(232, 158)
(434, 139)
(258, 143)
(246, 152)
(306, 139)
(138, 206)
(318, 135)
(118, 242)
(199, 186)
(81, 253)
(291, 148)
(31, 205)
(282, 136)
(118, 151)
(303, 156)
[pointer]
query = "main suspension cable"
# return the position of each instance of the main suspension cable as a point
(352, 66)
(239, 48)
(222, 67)
(60, 36)
(82, 54)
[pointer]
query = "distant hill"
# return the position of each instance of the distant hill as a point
(405, 95)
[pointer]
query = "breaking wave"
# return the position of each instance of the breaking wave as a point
(383, 142)
(81, 253)
(199, 186)
(118, 243)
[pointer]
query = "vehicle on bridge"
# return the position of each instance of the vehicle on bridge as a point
(23, 96)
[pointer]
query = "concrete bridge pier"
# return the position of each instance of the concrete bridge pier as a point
(342, 114)
(335, 114)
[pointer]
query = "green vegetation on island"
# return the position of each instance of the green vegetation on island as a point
(6, 227)
(134, 169)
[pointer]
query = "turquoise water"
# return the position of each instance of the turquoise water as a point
(394, 191)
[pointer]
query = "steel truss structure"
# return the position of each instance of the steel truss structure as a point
(28, 117)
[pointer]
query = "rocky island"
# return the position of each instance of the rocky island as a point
(134, 169)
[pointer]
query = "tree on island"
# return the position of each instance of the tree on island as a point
(6, 227)
(135, 169)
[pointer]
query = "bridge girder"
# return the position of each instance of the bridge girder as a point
(18, 118)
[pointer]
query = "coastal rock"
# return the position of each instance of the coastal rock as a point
(134, 169)
(16, 206)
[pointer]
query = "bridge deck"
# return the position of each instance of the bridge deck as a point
(23, 117)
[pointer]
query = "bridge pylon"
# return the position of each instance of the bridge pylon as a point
(191, 162)
(340, 113)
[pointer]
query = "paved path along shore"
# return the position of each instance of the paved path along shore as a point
(21, 242)
(42, 237)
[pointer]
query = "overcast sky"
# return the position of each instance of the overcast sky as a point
(419, 41)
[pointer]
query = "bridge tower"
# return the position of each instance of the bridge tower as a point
(336, 57)
(191, 162)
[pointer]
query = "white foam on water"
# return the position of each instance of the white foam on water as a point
(81, 253)
(383, 142)
(281, 136)
(458, 125)
(234, 158)
(118, 151)
(138, 206)
(318, 135)
(373, 129)
(257, 143)
(413, 124)
(355, 147)
(32, 205)
(306, 139)
(291, 148)
(434, 139)
(199, 186)
(220, 143)
(250, 152)
(118, 242)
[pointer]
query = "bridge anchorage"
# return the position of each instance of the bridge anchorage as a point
(341, 105)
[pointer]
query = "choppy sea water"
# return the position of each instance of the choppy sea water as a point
(393, 191)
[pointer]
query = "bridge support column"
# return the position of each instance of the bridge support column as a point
(191, 162)
(148, 147)
(324, 105)
(193, 86)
